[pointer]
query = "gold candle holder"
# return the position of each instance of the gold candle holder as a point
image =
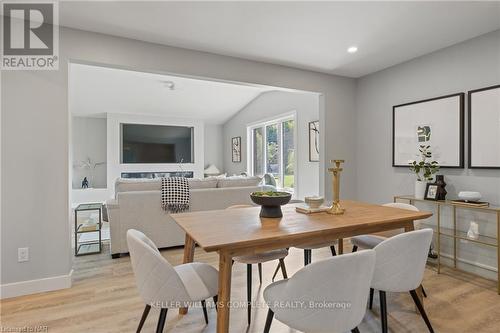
(336, 208)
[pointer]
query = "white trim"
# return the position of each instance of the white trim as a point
(291, 115)
(273, 119)
(35, 286)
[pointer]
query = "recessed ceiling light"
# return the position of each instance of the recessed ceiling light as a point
(352, 49)
(169, 84)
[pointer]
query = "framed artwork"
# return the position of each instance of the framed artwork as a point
(484, 128)
(314, 141)
(236, 149)
(431, 191)
(436, 122)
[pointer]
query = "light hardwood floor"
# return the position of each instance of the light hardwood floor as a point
(104, 299)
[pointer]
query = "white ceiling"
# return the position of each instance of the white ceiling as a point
(309, 35)
(95, 91)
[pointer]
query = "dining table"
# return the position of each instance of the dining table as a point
(237, 232)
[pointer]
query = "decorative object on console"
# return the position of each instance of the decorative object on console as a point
(484, 128)
(236, 149)
(477, 204)
(314, 141)
(85, 183)
(211, 171)
(473, 232)
(336, 208)
(90, 166)
(469, 196)
(423, 170)
(441, 194)
(271, 202)
(431, 191)
(437, 122)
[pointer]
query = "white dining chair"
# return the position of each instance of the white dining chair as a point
(326, 296)
(164, 286)
(370, 241)
(400, 267)
(258, 259)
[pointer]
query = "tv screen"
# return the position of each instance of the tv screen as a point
(157, 144)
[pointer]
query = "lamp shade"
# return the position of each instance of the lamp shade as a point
(212, 170)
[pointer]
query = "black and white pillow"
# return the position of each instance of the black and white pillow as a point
(175, 194)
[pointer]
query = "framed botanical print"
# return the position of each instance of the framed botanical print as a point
(314, 141)
(436, 122)
(484, 128)
(236, 149)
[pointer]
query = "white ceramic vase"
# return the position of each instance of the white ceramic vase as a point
(420, 189)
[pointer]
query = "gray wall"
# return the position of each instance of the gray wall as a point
(214, 146)
(272, 104)
(466, 66)
(35, 136)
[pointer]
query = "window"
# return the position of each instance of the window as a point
(272, 150)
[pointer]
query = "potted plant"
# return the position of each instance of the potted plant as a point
(424, 169)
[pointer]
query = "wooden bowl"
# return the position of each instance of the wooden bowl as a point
(271, 202)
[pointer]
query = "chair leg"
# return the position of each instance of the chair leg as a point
(332, 249)
(161, 321)
(414, 295)
(355, 330)
(370, 305)
(283, 268)
(205, 314)
(216, 300)
(143, 318)
(423, 291)
(276, 271)
(259, 265)
(354, 248)
(249, 292)
(383, 310)
(307, 257)
(269, 320)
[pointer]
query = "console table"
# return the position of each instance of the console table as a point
(457, 234)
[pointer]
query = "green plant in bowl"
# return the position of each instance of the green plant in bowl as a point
(270, 202)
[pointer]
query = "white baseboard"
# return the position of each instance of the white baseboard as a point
(35, 286)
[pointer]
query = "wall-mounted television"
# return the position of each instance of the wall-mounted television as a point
(156, 144)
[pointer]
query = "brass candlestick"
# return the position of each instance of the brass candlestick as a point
(336, 209)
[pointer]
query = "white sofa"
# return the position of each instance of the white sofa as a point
(137, 205)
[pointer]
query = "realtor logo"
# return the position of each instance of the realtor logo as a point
(30, 36)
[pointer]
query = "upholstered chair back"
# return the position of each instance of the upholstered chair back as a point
(158, 283)
(401, 205)
(401, 261)
(325, 296)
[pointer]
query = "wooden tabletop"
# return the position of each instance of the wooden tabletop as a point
(222, 229)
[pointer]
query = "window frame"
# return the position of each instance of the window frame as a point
(280, 119)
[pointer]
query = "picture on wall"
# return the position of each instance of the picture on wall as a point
(484, 128)
(236, 149)
(314, 141)
(436, 122)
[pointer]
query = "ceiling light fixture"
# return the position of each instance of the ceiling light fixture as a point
(352, 49)
(169, 84)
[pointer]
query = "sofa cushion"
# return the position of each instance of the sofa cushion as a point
(238, 181)
(137, 184)
(142, 184)
(195, 183)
